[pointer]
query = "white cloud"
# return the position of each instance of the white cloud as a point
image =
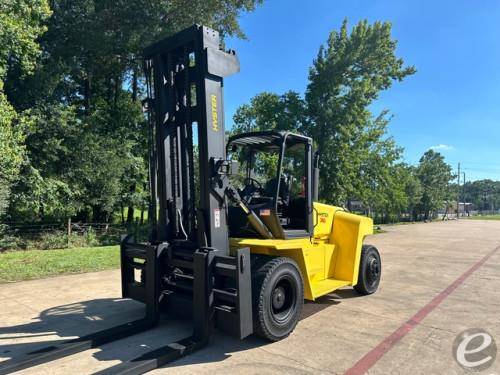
(442, 147)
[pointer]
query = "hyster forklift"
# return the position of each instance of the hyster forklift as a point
(238, 238)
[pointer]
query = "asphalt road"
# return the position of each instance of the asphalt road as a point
(439, 279)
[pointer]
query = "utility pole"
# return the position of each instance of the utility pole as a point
(463, 191)
(458, 192)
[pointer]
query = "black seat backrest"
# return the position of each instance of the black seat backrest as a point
(296, 212)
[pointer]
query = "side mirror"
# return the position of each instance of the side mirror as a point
(223, 166)
(234, 166)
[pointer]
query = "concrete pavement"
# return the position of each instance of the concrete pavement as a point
(340, 332)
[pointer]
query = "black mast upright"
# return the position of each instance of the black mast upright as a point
(188, 71)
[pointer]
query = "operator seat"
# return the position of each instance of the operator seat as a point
(284, 191)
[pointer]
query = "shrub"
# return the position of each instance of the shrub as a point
(49, 240)
(9, 241)
(59, 239)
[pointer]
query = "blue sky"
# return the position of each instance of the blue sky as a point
(452, 102)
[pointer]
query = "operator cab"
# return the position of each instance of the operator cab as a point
(274, 181)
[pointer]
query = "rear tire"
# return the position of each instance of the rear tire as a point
(278, 297)
(370, 270)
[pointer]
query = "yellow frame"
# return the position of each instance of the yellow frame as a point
(330, 258)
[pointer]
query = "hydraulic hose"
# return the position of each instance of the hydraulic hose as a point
(252, 218)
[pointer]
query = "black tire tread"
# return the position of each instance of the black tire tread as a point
(260, 278)
(360, 287)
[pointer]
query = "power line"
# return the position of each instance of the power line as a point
(493, 170)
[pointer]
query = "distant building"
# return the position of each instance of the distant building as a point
(464, 209)
(357, 206)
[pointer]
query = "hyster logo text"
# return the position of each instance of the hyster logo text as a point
(215, 122)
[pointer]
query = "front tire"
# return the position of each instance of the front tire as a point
(278, 297)
(370, 270)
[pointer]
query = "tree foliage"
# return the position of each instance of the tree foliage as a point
(21, 23)
(435, 176)
(483, 194)
(347, 75)
(85, 148)
(268, 111)
(43, 189)
(11, 151)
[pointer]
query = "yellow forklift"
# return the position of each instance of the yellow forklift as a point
(238, 238)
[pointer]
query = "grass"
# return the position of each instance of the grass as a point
(485, 217)
(35, 264)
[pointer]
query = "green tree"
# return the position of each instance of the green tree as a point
(395, 193)
(21, 23)
(11, 151)
(269, 111)
(45, 189)
(435, 176)
(347, 75)
(91, 75)
(376, 184)
(413, 191)
(484, 194)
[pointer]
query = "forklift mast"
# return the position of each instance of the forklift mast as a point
(188, 167)
(186, 264)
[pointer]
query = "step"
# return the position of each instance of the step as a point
(320, 288)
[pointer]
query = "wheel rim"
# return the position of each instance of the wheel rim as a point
(372, 271)
(283, 300)
(278, 298)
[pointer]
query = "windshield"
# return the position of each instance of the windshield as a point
(257, 169)
(279, 197)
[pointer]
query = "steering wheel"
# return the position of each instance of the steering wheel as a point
(254, 183)
(252, 187)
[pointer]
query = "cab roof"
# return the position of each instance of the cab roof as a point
(269, 140)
